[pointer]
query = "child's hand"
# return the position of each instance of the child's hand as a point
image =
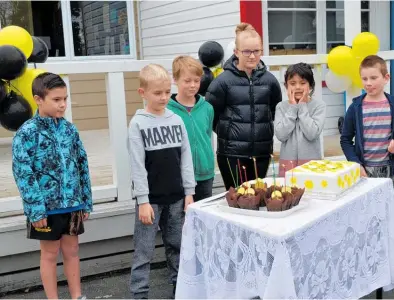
(85, 216)
(305, 96)
(363, 172)
(40, 224)
(188, 200)
(391, 146)
(146, 214)
(290, 95)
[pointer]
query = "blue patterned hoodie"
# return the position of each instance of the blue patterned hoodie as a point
(50, 168)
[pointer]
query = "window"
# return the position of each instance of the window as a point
(74, 29)
(292, 27)
(335, 22)
(40, 18)
(100, 28)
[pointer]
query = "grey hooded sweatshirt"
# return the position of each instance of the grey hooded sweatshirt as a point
(161, 160)
(298, 128)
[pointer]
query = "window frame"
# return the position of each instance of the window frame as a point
(69, 40)
(321, 26)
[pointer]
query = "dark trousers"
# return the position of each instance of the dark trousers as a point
(203, 189)
(223, 163)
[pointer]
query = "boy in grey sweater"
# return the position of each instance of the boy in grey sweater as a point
(162, 175)
(299, 121)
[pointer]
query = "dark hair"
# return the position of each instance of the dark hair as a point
(46, 82)
(373, 61)
(304, 71)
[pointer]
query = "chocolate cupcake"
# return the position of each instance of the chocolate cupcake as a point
(249, 200)
(232, 197)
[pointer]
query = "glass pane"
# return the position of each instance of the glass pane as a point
(339, 4)
(291, 4)
(40, 18)
(364, 21)
(335, 29)
(100, 28)
(289, 30)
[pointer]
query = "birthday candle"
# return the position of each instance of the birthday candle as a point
(240, 171)
(255, 168)
(273, 169)
(246, 178)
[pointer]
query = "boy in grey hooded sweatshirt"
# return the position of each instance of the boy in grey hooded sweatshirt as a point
(162, 175)
(299, 121)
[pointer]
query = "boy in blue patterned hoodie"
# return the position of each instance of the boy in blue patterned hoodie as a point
(51, 171)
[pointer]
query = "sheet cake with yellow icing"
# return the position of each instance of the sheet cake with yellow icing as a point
(323, 178)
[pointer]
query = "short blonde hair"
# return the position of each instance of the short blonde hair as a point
(184, 62)
(245, 29)
(153, 72)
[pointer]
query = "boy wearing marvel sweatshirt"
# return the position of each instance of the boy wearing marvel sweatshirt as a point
(162, 175)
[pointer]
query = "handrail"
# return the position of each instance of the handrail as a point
(132, 65)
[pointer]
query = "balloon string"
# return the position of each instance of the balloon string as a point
(15, 88)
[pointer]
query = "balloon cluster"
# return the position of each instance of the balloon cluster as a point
(17, 49)
(344, 62)
(211, 55)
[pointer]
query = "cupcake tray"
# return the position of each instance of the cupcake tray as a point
(223, 206)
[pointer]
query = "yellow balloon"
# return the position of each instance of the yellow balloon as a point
(23, 85)
(339, 60)
(18, 37)
(364, 44)
(355, 73)
(217, 72)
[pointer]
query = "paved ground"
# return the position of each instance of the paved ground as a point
(111, 286)
(115, 286)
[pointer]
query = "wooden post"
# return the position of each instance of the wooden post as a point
(68, 114)
(117, 118)
(352, 16)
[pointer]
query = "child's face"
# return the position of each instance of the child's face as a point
(54, 104)
(157, 94)
(248, 43)
(373, 80)
(298, 85)
(188, 84)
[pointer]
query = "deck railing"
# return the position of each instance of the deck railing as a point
(114, 70)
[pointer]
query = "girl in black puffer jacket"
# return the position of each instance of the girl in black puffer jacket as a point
(244, 98)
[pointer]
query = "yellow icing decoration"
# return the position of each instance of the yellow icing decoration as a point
(358, 172)
(339, 181)
(324, 183)
(293, 180)
(308, 184)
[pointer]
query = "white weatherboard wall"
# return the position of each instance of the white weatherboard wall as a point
(171, 28)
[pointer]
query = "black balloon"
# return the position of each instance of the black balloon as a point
(12, 62)
(211, 54)
(206, 80)
(14, 111)
(40, 51)
(3, 91)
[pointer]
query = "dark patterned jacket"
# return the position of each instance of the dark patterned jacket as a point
(50, 167)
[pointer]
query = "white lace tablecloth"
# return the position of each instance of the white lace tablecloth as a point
(330, 249)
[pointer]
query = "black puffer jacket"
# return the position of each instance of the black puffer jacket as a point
(244, 110)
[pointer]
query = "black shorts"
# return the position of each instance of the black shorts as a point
(57, 225)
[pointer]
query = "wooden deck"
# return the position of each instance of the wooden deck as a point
(97, 145)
